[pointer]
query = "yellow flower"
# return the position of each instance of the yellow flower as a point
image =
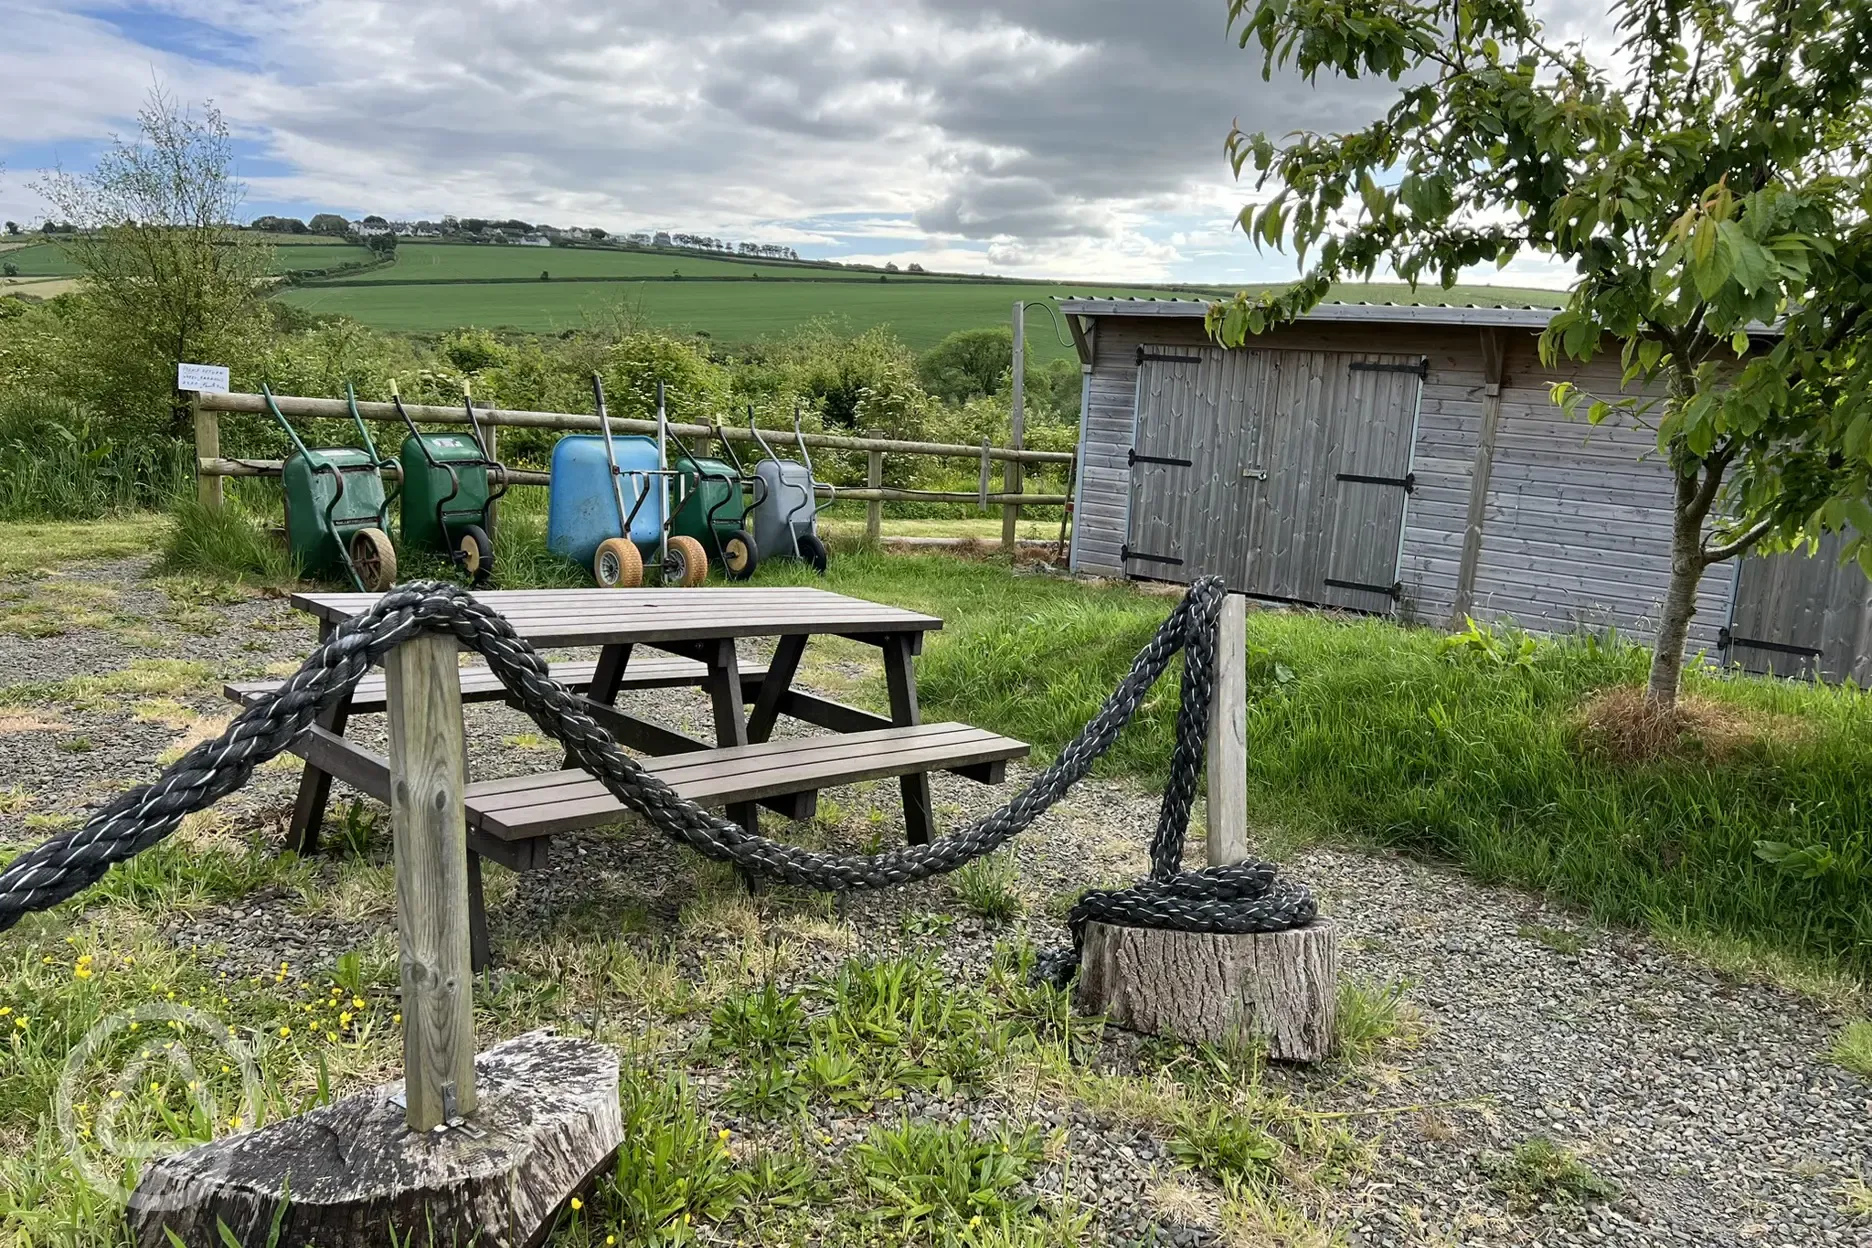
(193, 1086)
(81, 971)
(21, 1022)
(5, 1010)
(85, 959)
(129, 961)
(285, 1032)
(398, 1019)
(331, 1037)
(170, 997)
(156, 1087)
(577, 1204)
(116, 1094)
(234, 1123)
(225, 1069)
(724, 1133)
(610, 1239)
(136, 1026)
(344, 1018)
(357, 1003)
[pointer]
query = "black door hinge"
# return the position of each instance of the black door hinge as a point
(1133, 459)
(1125, 552)
(1407, 482)
(1421, 367)
(1727, 639)
(1393, 591)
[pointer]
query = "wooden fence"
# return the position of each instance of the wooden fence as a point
(211, 468)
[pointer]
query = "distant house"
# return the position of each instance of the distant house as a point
(370, 229)
(535, 240)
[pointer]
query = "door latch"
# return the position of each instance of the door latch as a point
(1254, 474)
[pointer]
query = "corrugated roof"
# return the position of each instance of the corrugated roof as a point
(1516, 316)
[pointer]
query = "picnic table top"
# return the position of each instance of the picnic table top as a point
(569, 617)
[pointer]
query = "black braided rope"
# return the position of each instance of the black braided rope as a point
(1244, 897)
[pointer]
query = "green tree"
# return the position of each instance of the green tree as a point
(968, 362)
(1712, 183)
(9, 269)
(329, 223)
(167, 275)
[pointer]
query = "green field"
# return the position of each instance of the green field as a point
(920, 313)
(433, 262)
(51, 260)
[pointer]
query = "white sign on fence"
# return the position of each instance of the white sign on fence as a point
(204, 378)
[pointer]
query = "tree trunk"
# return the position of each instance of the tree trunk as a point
(1687, 564)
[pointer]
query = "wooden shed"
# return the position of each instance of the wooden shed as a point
(1408, 460)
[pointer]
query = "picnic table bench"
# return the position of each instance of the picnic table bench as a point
(512, 819)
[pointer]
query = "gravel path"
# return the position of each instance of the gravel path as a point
(1704, 1101)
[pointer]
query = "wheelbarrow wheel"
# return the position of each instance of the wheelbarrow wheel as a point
(474, 552)
(617, 565)
(739, 555)
(374, 558)
(813, 551)
(685, 562)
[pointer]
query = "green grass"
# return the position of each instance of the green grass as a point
(430, 262)
(921, 313)
(1539, 1171)
(1852, 1048)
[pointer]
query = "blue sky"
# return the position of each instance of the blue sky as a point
(1078, 139)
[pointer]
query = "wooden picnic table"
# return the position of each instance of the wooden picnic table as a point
(695, 629)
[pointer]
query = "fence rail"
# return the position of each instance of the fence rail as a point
(211, 467)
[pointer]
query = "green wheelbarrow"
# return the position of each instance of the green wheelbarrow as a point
(337, 514)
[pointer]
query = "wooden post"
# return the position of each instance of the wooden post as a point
(874, 510)
(207, 446)
(1012, 470)
(428, 775)
(1228, 737)
(492, 434)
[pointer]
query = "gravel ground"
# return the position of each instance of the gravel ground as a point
(1705, 1101)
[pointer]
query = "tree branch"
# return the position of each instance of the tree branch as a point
(1728, 550)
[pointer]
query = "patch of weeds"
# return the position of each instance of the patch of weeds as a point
(771, 1090)
(912, 1025)
(1562, 941)
(1540, 1170)
(527, 741)
(14, 799)
(76, 745)
(758, 1025)
(1852, 1048)
(1223, 1143)
(925, 923)
(1372, 1017)
(834, 1074)
(144, 677)
(50, 822)
(1258, 1212)
(989, 888)
(678, 1170)
(919, 1174)
(1855, 1198)
(356, 830)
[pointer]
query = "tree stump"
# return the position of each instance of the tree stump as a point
(353, 1171)
(1201, 986)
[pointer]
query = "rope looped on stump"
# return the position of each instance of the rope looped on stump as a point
(1244, 897)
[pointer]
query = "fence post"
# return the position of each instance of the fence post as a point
(207, 446)
(1228, 737)
(427, 777)
(874, 510)
(1013, 470)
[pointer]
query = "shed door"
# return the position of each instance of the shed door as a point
(1801, 615)
(1372, 481)
(1281, 471)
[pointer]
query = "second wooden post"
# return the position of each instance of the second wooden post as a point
(1228, 737)
(428, 775)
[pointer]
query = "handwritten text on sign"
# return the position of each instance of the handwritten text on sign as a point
(205, 378)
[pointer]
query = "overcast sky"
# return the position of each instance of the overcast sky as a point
(1074, 139)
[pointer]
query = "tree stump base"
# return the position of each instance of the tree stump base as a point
(353, 1171)
(1205, 987)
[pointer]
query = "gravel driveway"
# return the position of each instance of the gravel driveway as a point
(1699, 1108)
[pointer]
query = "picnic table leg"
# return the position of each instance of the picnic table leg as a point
(731, 728)
(774, 686)
(919, 814)
(480, 954)
(302, 837)
(609, 674)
